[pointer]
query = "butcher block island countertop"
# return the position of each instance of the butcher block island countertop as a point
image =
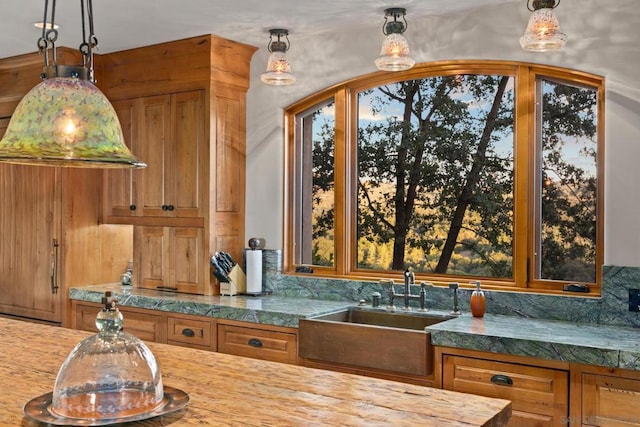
(231, 390)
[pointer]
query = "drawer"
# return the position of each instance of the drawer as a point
(189, 331)
(147, 327)
(539, 396)
(257, 343)
(609, 401)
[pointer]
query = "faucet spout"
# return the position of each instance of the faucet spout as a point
(409, 279)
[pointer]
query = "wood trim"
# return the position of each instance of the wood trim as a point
(344, 94)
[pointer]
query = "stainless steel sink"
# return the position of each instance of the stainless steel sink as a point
(390, 341)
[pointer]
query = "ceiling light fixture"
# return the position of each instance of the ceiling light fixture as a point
(66, 120)
(394, 55)
(543, 30)
(278, 71)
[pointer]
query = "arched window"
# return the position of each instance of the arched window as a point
(459, 170)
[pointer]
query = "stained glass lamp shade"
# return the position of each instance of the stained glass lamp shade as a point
(66, 121)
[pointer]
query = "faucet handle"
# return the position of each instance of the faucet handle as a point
(390, 292)
(454, 287)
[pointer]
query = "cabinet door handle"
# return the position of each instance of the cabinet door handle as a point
(501, 379)
(170, 207)
(188, 332)
(164, 207)
(132, 207)
(255, 342)
(54, 266)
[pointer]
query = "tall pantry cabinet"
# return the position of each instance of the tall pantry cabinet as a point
(51, 237)
(182, 108)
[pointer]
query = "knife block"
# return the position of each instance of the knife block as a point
(237, 283)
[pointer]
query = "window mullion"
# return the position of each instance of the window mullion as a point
(523, 176)
(342, 194)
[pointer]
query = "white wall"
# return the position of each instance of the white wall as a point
(604, 38)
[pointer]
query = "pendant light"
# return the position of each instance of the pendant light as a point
(543, 30)
(66, 120)
(394, 55)
(278, 71)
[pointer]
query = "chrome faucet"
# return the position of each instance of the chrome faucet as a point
(409, 280)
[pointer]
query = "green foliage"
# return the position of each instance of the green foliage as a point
(436, 174)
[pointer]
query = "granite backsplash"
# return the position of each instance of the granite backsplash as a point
(612, 308)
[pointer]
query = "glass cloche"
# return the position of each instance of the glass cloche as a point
(112, 374)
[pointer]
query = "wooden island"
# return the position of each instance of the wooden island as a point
(232, 390)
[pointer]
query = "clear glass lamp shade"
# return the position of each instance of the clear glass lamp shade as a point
(394, 55)
(65, 121)
(278, 71)
(543, 32)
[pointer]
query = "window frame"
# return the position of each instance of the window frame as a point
(345, 192)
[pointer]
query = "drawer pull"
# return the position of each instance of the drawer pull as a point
(187, 332)
(501, 380)
(255, 342)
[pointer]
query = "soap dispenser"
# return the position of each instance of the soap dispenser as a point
(478, 303)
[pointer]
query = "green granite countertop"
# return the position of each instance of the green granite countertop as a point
(610, 346)
(271, 310)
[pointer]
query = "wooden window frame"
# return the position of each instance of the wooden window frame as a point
(345, 96)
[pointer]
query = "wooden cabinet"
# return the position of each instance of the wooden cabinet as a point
(604, 396)
(167, 131)
(152, 325)
(30, 251)
(144, 325)
(191, 332)
(273, 343)
(3, 126)
(171, 259)
(539, 394)
(120, 193)
(186, 120)
(50, 220)
(267, 342)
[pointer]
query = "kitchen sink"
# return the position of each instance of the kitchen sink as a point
(391, 319)
(387, 340)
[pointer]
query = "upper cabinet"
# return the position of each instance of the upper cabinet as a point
(182, 109)
(167, 131)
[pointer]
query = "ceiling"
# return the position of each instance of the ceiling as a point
(125, 24)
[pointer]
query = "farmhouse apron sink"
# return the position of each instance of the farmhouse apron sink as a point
(392, 341)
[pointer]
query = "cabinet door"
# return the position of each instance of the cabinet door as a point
(170, 258)
(539, 396)
(151, 257)
(31, 246)
(119, 191)
(154, 120)
(183, 191)
(610, 401)
(186, 248)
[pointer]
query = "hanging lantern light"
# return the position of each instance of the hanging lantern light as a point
(394, 55)
(278, 71)
(543, 30)
(66, 120)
